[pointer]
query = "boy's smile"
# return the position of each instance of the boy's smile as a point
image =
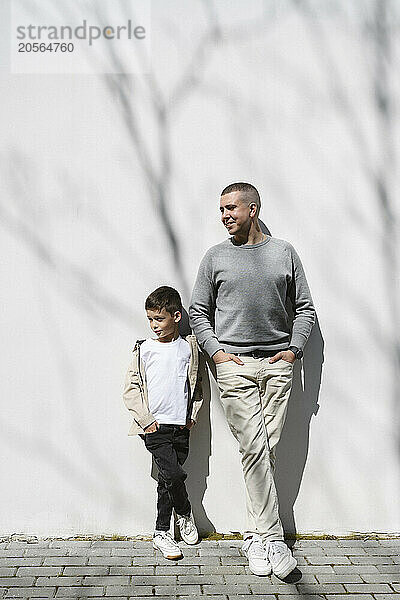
(164, 325)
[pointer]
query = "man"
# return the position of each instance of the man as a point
(239, 315)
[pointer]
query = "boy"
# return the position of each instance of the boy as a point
(163, 391)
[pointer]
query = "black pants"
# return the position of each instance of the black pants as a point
(169, 446)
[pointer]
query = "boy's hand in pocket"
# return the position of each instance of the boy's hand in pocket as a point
(152, 428)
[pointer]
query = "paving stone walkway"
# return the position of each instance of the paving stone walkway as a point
(330, 569)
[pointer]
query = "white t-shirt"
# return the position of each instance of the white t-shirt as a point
(166, 367)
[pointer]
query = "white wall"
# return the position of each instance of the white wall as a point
(288, 102)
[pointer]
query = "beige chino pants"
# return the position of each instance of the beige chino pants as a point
(254, 397)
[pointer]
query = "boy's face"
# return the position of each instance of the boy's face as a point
(164, 325)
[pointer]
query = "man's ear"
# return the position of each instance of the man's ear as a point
(253, 209)
(177, 316)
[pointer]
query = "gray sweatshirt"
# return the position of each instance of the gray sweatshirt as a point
(239, 301)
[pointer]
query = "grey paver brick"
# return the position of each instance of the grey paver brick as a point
(38, 571)
(349, 551)
(388, 568)
(372, 560)
(154, 580)
(355, 569)
(219, 551)
(234, 560)
(29, 592)
(70, 544)
(228, 589)
(79, 592)
(45, 552)
(368, 588)
(310, 551)
(132, 570)
(392, 542)
(132, 552)
(61, 581)
(86, 570)
(89, 551)
(16, 581)
(395, 586)
(114, 544)
(7, 571)
(381, 577)
(329, 560)
(65, 560)
(321, 588)
(106, 580)
(177, 570)
(202, 560)
(264, 586)
(201, 579)
(129, 590)
(247, 597)
(351, 597)
(145, 561)
(223, 569)
(384, 551)
(11, 553)
(37, 544)
(21, 562)
(315, 569)
(173, 590)
(342, 578)
(122, 561)
(361, 543)
(387, 596)
(303, 597)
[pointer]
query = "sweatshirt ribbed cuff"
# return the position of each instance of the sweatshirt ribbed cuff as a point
(298, 340)
(212, 346)
(146, 420)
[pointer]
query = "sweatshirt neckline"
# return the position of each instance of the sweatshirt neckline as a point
(249, 246)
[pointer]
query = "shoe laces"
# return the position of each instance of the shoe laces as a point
(186, 524)
(167, 537)
(277, 549)
(254, 546)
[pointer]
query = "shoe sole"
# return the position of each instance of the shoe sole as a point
(287, 571)
(190, 543)
(261, 573)
(169, 556)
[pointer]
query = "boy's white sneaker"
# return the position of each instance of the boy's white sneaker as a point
(163, 541)
(255, 551)
(281, 559)
(187, 529)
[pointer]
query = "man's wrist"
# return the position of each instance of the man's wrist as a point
(298, 353)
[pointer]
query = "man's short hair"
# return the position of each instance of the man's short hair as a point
(164, 297)
(248, 193)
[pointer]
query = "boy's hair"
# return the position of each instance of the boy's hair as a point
(164, 297)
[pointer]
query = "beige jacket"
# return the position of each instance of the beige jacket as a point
(135, 390)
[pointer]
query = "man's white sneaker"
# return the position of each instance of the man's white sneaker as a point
(281, 559)
(254, 550)
(163, 541)
(187, 529)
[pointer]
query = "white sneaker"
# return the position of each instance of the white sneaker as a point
(281, 559)
(163, 541)
(254, 550)
(187, 529)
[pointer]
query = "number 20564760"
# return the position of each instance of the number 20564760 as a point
(43, 47)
